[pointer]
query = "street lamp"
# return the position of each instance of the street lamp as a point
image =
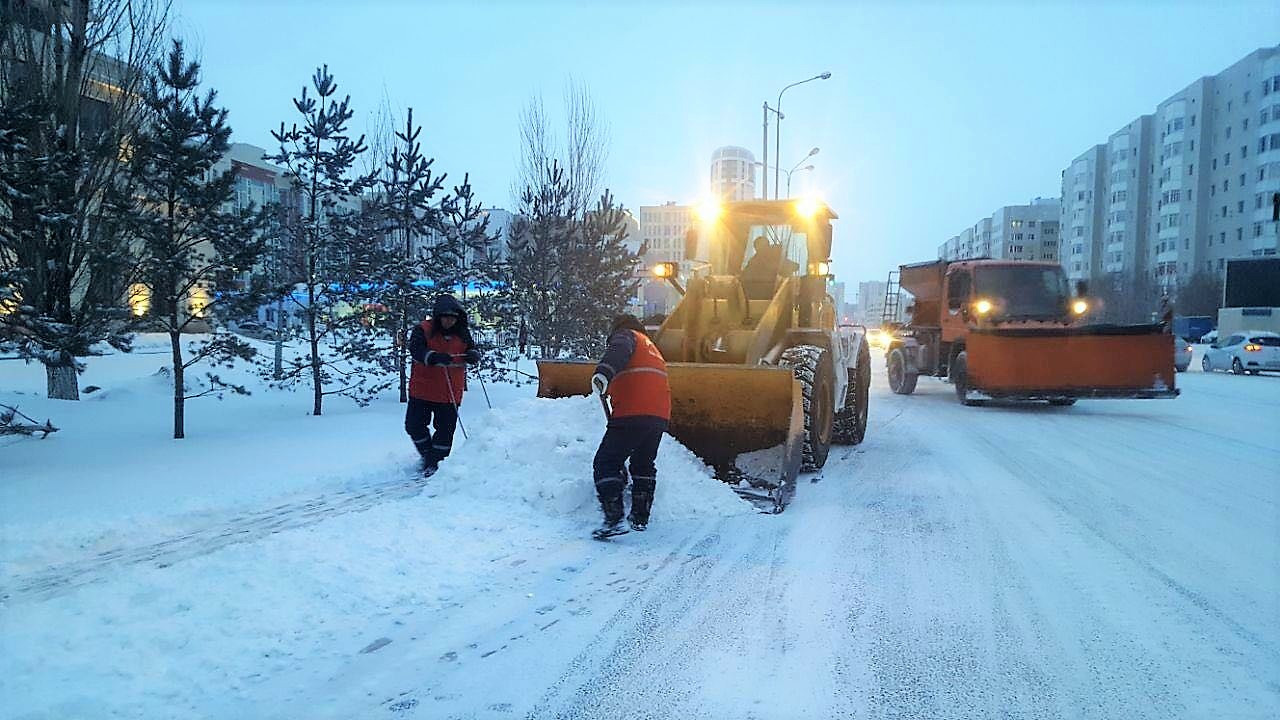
(777, 142)
(797, 168)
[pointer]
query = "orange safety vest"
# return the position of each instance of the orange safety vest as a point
(641, 387)
(427, 382)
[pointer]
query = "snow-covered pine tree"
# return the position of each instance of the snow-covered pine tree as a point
(408, 185)
(335, 239)
(190, 246)
(602, 277)
(568, 271)
(61, 266)
(466, 256)
(536, 277)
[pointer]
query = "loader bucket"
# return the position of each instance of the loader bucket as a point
(1095, 361)
(747, 423)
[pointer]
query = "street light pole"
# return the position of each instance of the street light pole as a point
(764, 174)
(777, 142)
(806, 167)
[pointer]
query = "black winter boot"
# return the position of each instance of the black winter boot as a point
(609, 491)
(641, 501)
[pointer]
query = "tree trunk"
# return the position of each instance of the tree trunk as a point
(179, 386)
(315, 361)
(402, 348)
(278, 368)
(63, 382)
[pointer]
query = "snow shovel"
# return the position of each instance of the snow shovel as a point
(482, 387)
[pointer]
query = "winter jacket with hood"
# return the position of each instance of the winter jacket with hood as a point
(433, 382)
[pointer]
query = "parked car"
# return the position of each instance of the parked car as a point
(1248, 352)
(1181, 354)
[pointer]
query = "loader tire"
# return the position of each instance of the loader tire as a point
(812, 366)
(851, 421)
(960, 378)
(902, 380)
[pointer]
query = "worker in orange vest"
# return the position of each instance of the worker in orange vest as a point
(633, 376)
(439, 346)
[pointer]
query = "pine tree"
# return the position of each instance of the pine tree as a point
(408, 186)
(191, 247)
(336, 243)
(569, 271)
(60, 264)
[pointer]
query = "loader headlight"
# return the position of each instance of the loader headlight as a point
(1079, 307)
(982, 307)
(708, 211)
(664, 270)
(808, 207)
(820, 268)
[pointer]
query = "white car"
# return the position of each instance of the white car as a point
(1246, 352)
(1181, 354)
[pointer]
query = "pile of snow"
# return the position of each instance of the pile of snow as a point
(538, 452)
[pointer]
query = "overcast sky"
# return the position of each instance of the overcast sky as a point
(934, 115)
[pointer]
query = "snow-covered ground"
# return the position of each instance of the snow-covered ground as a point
(1112, 559)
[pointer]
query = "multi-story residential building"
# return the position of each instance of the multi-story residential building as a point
(1014, 232)
(733, 173)
(1024, 232)
(1083, 213)
(1185, 189)
(1128, 199)
(662, 229)
(871, 300)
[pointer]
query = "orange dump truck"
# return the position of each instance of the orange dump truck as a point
(1002, 329)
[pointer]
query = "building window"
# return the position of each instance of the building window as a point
(1226, 184)
(1257, 229)
(1193, 121)
(1240, 206)
(1228, 130)
(1191, 169)
(1239, 234)
(1226, 159)
(1244, 151)
(1224, 211)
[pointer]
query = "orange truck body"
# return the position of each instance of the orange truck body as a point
(1045, 358)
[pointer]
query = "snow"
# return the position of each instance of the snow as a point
(1110, 559)
(148, 577)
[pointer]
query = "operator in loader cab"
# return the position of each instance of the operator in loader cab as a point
(633, 376)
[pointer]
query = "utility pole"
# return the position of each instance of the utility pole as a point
(764, 171)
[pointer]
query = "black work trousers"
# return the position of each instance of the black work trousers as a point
(628, 441)
(418, 419)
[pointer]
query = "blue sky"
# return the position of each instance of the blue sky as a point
(935, 114)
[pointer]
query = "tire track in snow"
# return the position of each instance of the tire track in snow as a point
(63, 578)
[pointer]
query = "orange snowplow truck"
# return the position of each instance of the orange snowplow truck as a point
(1004, 329)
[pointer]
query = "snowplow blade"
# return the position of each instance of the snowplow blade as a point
(1095, 361)
(747, 423)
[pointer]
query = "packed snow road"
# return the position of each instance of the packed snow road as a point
(1114, 559)
(1111, 559)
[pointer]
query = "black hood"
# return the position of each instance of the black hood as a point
(626, 322)
(448, 305)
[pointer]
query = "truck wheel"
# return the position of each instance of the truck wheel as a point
(901, 380)
(851, 421)
(812, 366)
(960, 378)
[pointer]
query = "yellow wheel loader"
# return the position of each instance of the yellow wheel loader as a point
(763, 381)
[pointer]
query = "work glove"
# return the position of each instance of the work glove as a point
(600, 384)
(439, 358)
(472, 356)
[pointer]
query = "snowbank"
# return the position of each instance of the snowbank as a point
(538, 452)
